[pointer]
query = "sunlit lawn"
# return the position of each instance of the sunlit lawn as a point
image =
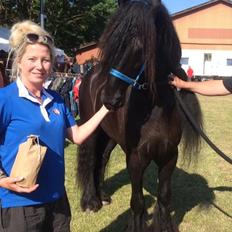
(201, 199)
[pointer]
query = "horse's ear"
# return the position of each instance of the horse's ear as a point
(120, 2)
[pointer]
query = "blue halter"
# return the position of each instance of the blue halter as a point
(130, 81)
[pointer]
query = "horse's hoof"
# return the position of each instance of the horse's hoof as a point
(89, 211)
(104, 202)
(105, 198)
(91, 206)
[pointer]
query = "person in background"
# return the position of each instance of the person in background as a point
(190, 73)
(75, 67)
(60, 63)
(27, 108)
(207, 88)
(3, 60)
(76, 88)
(1, 75)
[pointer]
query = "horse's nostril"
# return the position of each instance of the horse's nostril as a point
(112, 101)
(118, 98)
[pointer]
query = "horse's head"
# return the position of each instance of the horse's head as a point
(113, 95)
(128, 44)
(140, 33)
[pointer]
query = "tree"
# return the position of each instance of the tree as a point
(78, 22)
(12, 11)
(71, 22)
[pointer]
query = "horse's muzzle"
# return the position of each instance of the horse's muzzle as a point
(112, 102)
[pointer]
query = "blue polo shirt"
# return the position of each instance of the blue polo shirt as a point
(22, 115)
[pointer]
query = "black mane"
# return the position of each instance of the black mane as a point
(129, 40)
(140, 34)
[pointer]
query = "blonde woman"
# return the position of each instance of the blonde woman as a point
(27, 108)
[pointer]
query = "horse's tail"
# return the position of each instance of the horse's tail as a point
(191, 140)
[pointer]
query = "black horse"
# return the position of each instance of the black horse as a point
(139, 50)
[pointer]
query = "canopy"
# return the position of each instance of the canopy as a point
(4, 36)
(59, 52)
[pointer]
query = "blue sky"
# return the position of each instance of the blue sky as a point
(174, 6)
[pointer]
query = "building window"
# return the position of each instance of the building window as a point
(229, 62)
(207, 57)
(184, 61)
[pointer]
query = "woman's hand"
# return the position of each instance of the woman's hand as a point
(177, 82)
(11, 184)
(78, 134)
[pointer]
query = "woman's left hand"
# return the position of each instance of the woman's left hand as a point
(11, 184)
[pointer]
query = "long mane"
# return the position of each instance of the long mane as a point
(139, 34)
(129, 40)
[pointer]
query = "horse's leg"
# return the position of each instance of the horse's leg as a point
(162, 218)
(90, 164)
(106, 155)
(136, 165)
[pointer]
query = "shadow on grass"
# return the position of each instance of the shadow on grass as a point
(66, 143)
(120, 223)
(188, 191)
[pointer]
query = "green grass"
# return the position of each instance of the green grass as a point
(201, 192)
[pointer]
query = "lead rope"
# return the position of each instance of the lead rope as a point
(199, 130)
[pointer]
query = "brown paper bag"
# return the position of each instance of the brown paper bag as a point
(28, 161)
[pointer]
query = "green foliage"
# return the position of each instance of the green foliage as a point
(71, 22)
(12, 11)
(97, 15)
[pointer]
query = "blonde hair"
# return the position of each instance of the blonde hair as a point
(18, 43)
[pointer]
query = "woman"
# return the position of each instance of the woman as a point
(27, 108)
(208, 88)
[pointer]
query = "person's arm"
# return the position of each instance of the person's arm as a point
(77, 134)
(208, 88)
(11, 184)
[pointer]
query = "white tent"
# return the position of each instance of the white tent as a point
(59, 52)
(4, 36)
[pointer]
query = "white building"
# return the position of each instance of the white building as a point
(205, 33)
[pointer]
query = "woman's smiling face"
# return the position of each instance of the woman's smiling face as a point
(35, 64)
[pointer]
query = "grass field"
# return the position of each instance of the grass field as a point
(202, 192)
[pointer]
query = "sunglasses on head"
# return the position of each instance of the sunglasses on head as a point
(34, 38)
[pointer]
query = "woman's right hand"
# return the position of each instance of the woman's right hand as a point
(10, 183)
